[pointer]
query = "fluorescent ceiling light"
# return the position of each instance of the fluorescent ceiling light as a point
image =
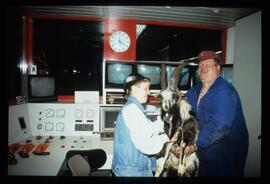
(139, 29)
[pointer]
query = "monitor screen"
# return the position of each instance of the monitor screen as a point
(196, 77)
(41, 88)
(184, 78)
(151, 71)
(108, 117)
(117, 73)
(227, 72)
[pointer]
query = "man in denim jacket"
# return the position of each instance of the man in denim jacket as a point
(137, 138)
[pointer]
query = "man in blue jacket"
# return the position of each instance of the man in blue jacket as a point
(222, 144)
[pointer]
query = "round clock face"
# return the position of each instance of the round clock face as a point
(119, 41)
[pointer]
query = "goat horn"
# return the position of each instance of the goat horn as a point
(173, 83)
(163, 77)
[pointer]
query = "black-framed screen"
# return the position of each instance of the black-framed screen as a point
(116, 73)
(152, 71)
(41, 88)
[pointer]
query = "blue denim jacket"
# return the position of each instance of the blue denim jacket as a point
(127, 159)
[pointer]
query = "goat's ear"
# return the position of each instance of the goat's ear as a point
(175, 97)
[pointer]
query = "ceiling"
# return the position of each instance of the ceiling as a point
(211, 16)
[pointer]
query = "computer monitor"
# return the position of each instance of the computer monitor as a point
(227, 72)
(184, 78)
(108, 117)
(195, 75)
(41, 88)
(116, 73)
(152, 71)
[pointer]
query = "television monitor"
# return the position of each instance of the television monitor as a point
(108, 117)
(116, 73)
(196, 78)
(227, 72)
(184, 78)
(152, 71)
(41, 88)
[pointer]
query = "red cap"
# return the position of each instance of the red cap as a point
(208, 54)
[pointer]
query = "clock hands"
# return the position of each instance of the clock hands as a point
(119, 40)
(123, 43)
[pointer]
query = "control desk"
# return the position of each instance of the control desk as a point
(55, 129)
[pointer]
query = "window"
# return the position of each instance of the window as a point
(169, 43)
(71, 51)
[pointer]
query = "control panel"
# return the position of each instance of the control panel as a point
(68, 119)
(40, 135)
(53, 119)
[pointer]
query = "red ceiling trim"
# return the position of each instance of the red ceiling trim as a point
(58, 17)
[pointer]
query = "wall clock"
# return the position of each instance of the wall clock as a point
(119, 41)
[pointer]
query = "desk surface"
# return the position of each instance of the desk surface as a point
(49, 165)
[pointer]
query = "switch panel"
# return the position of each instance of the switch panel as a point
(64, 119)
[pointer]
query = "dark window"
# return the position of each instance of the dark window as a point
(71, 51)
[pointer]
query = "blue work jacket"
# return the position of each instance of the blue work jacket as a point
(127, 159)
(223, 137)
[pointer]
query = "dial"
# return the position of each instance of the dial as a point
(119, 41)
(39, 126)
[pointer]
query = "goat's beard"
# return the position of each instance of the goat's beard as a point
(171, 120)
(168, 114)
(167, 117)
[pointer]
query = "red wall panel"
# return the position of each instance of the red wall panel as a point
(110, 26)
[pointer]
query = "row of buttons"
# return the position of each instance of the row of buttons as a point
(49, 126)
(60, 113)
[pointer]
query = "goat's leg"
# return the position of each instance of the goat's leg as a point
(162, 160)
(189, 166)
(181, 167)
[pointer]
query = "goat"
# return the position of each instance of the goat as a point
(176, 113)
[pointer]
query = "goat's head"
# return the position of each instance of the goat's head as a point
(170, 96)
